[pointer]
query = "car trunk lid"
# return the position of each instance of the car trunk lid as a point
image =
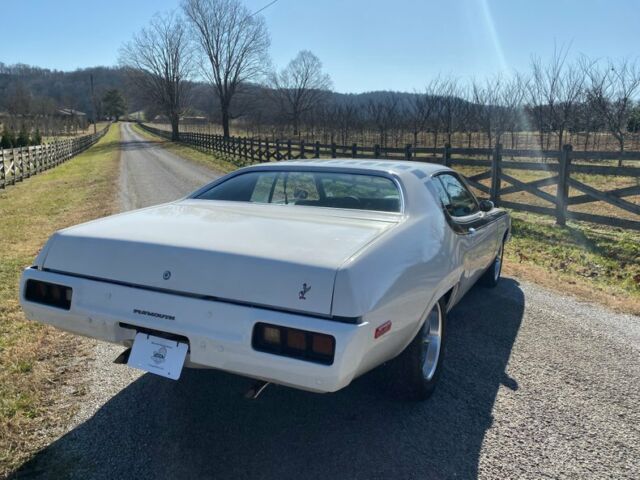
(266, 255)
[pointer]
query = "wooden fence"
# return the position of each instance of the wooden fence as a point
(17, 164)
(563, 169)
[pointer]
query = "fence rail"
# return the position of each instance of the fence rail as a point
(17, 164)
(563, 172)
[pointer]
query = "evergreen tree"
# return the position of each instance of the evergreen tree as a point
(8, 139)
(36, 138)
(23, 138)
(114, 104)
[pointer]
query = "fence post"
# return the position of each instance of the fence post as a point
(266, 150)
(289, 155)
(302, 147)
(333, 150)
(562, 193)
(407, 151)
(376, 151)
(496, 173)
(354, 150)
(2, 178)
(446, 155)
(317, 150)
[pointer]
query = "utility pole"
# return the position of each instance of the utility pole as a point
(95, 105)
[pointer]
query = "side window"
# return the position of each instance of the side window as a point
(263, 188)
(442, 193)
(461, 201)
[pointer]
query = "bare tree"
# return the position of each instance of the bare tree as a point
(485, 98)
(233, 41)
(559, 86)
(421, 107)
(160, 62)
(611, 92)
(450, 102)
(299, 87)
(383, 114)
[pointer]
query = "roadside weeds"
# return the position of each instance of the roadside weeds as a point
(40, 367)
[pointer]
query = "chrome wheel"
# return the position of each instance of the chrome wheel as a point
(432, 342)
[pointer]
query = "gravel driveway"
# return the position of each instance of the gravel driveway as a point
(536, 385)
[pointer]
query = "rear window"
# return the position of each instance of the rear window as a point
(316, 189)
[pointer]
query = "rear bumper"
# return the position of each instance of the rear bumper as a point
(219, 333)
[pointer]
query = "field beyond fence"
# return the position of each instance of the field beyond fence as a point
(567, 184)
(17, 164)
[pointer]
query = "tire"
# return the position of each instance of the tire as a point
(414, 373)
(491, 277)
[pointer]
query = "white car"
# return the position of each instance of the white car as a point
(301, 273)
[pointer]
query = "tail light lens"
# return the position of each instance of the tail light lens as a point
(46, 293)
(292, 342)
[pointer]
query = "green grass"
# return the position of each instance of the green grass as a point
(34, 359)
(604, 262)
(214, 162)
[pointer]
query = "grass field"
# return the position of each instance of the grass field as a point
(594, 262)
(37, 362)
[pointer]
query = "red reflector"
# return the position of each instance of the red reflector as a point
(322, 344)
(382, 329)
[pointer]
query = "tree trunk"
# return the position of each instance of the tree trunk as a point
(225, 121)
(295, 126)
(560, 138)
(175, 132)
(621, 143)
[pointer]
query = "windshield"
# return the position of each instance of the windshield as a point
(316, 189)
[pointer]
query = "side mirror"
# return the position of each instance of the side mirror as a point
(486, 205)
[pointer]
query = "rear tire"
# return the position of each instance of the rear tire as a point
(491, 277)
(414, 373)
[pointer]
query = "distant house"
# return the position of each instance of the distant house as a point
(194, 120)
(70, 112)
(186, 119)
(160, 119)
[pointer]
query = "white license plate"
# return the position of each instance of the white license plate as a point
(158, 355)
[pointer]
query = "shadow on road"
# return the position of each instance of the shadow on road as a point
(201, 427)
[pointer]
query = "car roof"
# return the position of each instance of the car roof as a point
(400, 168)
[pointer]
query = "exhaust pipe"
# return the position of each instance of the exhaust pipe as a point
(123, 357)
(256, 390)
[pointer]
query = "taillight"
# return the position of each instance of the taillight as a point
(292, 342)
(46, 293)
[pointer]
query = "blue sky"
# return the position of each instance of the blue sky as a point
(364, 45)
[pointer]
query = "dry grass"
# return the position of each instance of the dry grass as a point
(214, 162)
(38, 364)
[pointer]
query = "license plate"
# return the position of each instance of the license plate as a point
(158, 355)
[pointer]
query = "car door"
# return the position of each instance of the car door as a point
(476, 238)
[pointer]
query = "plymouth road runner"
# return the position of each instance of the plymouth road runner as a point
(301, 273)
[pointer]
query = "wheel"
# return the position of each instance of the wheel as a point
(414, 373)
(491, 277)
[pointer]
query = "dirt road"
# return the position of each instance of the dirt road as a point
(536, 385)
